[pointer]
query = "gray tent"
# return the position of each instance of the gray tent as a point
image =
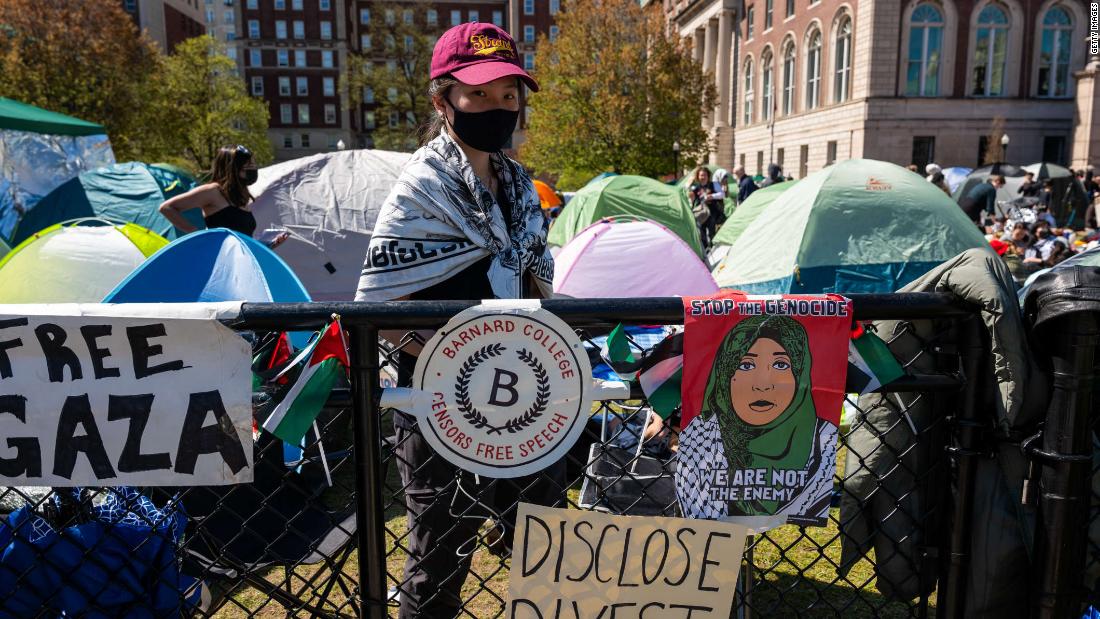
(328, 202)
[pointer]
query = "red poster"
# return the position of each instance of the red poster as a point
(763, 387)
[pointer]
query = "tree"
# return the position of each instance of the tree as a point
(202, 105)
(616, 90)
(394, 71)
(994, 151)
(84, 58)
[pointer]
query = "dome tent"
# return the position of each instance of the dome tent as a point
(129, 192)
(857, 226)
(635, 196)
(630, 258)
(70, 263)
(329, 203)
(210, 266)
(746, 212)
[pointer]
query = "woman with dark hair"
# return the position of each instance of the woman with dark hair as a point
(225, 199)
(758, 414)
(463, 222)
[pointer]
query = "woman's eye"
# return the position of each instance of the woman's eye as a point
(781, 365)
(479, 93)
(509, 97)
(745, 366)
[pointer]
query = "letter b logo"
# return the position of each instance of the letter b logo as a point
(504, 380)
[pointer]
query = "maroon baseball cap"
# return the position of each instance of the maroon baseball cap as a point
(475, 53)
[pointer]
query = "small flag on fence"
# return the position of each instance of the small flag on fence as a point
(662, 373)
(616, 351)
(870, 362)
(327, 360)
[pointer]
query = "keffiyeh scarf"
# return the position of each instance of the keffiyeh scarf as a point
(440, 218)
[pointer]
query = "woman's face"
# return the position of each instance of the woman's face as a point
(702, 175)
(251, 165)
(502, 93)
(763, 385)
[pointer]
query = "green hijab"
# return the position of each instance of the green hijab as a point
(765, 446)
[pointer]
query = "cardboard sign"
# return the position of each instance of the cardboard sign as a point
(762, 391)
(122, 399)
(509, 390)
(568, 564)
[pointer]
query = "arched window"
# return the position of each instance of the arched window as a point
(766, 85)
(788, 79)
(813, 70)
(842, 79)
(748, 93)
(922, 75)
(990, 52)
(1054, 53)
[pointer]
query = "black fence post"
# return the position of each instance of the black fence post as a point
(952, 603)
(1061, 535)
(370, 517)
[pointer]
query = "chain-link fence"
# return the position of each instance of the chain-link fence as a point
(368, 521)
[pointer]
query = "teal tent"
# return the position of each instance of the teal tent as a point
(627, 195)
(739, 219)
(857, 226)
(124, 192)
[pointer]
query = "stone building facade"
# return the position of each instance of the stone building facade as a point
(907, 81)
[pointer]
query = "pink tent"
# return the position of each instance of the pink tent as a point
(630, 258)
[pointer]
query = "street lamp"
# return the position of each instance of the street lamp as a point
(676, 157)
(1004, 148)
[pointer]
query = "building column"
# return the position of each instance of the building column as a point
(710, 56)
(725, 55)
(699, 36)
(1085, 149)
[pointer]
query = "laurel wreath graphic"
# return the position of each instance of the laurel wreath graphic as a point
(475, 417)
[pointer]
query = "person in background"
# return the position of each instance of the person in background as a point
(224, 200)
(745, 184)
(938, 180)
(930, 170)
(722, 177)
(775, 175)
(1091, 222)
(1046, 196)
(1092, 189)
(982, 197)
(460, 190)
(912, 167)
(707, 201)
(1029, 188)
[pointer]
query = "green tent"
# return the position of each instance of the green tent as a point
(18, 116)
(748, 211)
(124, 192)
(857, 226)
(635, 196)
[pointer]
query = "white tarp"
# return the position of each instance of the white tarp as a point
(329, 203)
(142, 395)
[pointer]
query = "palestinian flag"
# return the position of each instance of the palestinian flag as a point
(662, 373)
(270, 359)
(326, 360)
(616, 353)
(870, 362)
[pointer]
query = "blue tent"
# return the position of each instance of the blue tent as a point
(208, 266)
(124, 192)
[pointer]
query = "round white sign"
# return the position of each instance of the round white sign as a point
(509, 390)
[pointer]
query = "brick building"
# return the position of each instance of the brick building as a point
(293, 54)
(168, 22)
(811, 82)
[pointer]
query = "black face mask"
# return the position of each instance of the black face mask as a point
(251, 175)
(486, 131)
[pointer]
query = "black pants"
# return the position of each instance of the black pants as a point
(444, 521)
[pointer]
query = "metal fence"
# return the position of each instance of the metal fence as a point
(327, 533)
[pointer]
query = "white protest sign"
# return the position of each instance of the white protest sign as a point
(573, 563)
(144, 395)
(509, 389)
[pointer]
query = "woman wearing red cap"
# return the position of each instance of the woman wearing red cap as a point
(463, 222)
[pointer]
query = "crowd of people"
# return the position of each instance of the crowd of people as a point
(1023, 231)
(709, 194)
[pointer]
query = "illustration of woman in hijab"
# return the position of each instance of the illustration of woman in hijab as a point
(760, 392)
